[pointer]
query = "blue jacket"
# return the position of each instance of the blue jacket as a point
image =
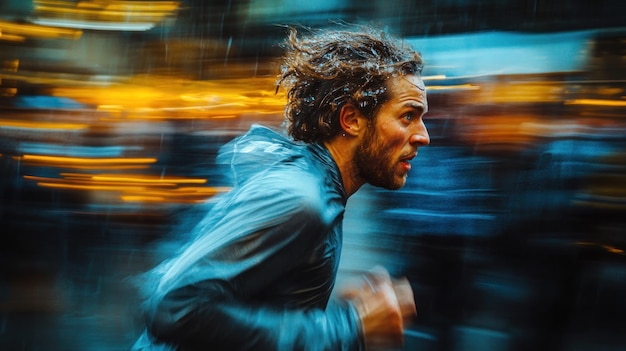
(260, 271)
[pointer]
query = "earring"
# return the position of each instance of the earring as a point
(343, 134)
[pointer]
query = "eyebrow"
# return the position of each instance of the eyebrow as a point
(415, 105)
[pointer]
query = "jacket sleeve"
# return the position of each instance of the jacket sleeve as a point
(208, 317)
(211, 304)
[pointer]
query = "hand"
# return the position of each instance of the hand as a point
(384, 306)
(406, 300)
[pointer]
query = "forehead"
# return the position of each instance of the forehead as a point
(407, 88)
(408, 82)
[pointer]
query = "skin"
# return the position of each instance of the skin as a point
(379, 152)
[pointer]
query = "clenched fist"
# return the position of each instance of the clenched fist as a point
(384, 305)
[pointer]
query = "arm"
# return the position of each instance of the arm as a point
(208, 315)
(209, 298)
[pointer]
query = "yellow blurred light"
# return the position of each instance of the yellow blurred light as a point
(104, 15)
(62, 160)
(162, 6)
(453, 87)
(596, 102)
(33, 30)
(112, 14)
(142, 181)
(141, 198)
(85, 184)
(81, 4)
(147, 179)
(123, 96)
(133, 187)
(613, 249)
(169, 117)
(10, 65)
(110, 108)
(435, 77)
(524, 92)
(89, 187)
(137, 5)
(7, 92)
(177, 194)
(13, 38)
(169, 197)
(164, 98)
(41, 125)
(105, 167)
(187, 191)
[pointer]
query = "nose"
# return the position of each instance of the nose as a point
(420, 135)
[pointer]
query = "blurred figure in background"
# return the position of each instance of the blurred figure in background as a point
(261, 268)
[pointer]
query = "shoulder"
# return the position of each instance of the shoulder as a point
(285, 186)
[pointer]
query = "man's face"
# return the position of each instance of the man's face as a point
(391, 140)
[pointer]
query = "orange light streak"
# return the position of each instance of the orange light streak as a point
(41, 125)
(156, 15)
(10, 65)
(134, 188)
(147, 179)
(453, 87)
(136, 198)
(102, 167)
(33, 30)
(86, 181)
(11, 37)
(596, 102)
(161, 98)
(83, 160)
(187, 191)
(113, 4)
(90, 187)
(608, 248)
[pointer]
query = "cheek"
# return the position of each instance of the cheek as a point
(388, 139)
(393, 136)
(390, 132)
(387, 147)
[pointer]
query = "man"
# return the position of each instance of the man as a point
(260, 272)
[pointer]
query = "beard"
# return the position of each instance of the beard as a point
(375, 165)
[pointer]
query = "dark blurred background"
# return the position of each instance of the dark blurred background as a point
(512, 226)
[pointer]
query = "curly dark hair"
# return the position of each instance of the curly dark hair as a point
(330, 68)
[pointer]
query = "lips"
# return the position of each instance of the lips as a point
(406, 165)
(406, 161)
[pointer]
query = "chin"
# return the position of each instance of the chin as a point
(387, 181)
(398, 186)
(394, 185)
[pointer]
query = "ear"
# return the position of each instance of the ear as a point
(351, 120)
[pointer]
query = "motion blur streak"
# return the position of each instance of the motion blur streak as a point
(140, 179)
(510, 227)
(61, 161)
(453, 87)
(597, 102)
(104, 14)
(144, 97)
(40, 125)
(23, 31)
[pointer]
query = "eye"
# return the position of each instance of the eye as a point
(409, 116)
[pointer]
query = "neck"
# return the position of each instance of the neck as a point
(342, 151)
